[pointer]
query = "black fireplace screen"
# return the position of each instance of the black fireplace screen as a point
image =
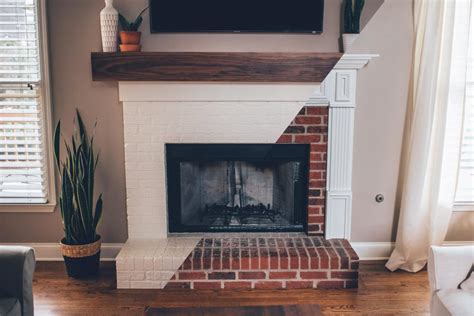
(237, 187)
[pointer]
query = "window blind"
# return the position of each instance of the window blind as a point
(465, 186)
(22, 161)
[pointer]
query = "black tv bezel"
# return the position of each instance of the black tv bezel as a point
(166, 31)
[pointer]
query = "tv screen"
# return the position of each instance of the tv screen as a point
(298, 16)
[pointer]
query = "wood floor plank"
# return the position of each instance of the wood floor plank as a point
(380, 293)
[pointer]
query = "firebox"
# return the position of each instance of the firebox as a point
(237, 187)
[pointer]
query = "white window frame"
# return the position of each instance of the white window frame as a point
(47, 122)
(466, 206)
(458, 207)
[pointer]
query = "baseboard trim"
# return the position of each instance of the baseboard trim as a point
(52, 252)
(458, 243)
(365, 250)
(382, 250)
(373, 250)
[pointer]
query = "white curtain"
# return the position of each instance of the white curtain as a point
(433, 129)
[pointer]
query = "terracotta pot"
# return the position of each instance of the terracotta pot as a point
(130, 37)
(130, 48)
(81, 261)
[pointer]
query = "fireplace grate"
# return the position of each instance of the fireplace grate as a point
(225, 215)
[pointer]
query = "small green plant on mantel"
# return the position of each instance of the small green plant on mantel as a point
(133, 26)
(352, 13)
(129, 35)
(80, 215)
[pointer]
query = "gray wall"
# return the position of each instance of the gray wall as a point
(74, 33)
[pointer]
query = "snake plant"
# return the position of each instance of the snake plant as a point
(131, 26)
(352, 13)
(79, 216)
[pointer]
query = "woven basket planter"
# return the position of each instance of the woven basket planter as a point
(81, 261)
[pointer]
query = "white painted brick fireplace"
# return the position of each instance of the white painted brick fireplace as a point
(220, 115)
(156, 113)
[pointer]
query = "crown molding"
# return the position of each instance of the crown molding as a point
(354, 61)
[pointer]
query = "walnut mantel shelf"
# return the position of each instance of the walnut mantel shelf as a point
(215, 66)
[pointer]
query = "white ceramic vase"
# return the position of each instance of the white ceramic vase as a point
(347, 40)
(109, 27)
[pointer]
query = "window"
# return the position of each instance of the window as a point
(465, 188)
(25, 166)
(464, 199)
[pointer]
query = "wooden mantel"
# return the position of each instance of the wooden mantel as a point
(215, 66)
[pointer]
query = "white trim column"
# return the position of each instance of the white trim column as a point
(339, 91)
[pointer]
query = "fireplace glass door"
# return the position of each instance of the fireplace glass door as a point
(237, 187)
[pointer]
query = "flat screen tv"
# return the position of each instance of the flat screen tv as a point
(271, 16)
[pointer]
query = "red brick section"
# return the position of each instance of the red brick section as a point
(268, 263)
(310, 126)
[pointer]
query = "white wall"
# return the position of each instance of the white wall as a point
(380, 115)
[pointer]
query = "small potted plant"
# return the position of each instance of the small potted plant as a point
(352, 13)
(129, 35)
(81, 243)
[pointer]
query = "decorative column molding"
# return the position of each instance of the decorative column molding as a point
(339, 92)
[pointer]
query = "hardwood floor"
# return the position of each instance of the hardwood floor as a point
(380, 293)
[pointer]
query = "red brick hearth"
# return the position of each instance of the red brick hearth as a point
(268, 263)
(310, 126)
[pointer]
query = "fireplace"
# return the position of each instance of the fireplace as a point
(237, 187)
(182, 113)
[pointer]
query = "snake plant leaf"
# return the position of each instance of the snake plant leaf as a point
(82, 129)
(67, 191)
(358, 6)
(90, 175)
(74, 146)
(68, 153)
(124, 24)
(98, 211)
(67, 207)
(139, 19)
(96, 160)
(136, 24)
(65, 226)
(57, 144)
(77, 234)
(348, 16)
(81, 199)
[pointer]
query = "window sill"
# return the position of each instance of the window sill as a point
(27, 208)
(463, 208)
